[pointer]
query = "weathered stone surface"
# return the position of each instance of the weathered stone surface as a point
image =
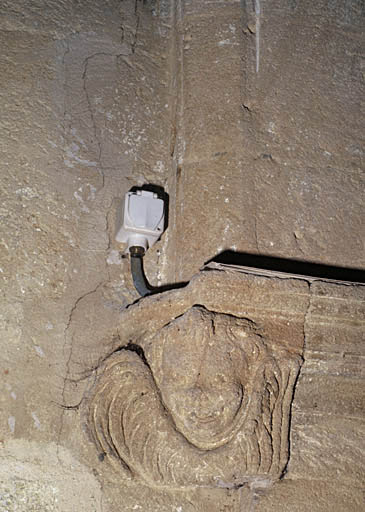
(45, 477)
(271, 140)
(141, 420)
(282, 313)
(311, 495)
(152, 366)
(218, 396)
(250, 119)
(75, 95)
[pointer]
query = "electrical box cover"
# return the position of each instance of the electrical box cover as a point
(142, 222)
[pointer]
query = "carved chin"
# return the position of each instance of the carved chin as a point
(209, 425)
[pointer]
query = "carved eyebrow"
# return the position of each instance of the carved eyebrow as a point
(236, 335)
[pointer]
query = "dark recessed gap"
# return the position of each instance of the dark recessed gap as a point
(290, 266)
(132, 347)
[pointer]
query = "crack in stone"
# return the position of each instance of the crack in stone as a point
(136, 32)
(256, 235)
(86, 62)
(68, 363)
(297, 244)
(121, 27)
(88, 101)
(101, 505)
(107, 228)
(306, 316)
(64, 85)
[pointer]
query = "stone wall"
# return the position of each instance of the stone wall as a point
(248, 114)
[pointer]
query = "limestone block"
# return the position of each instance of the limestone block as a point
(218, 397)
(251, 120)
(311, 495)
(275, 87)
(179, 381)
(215, 367)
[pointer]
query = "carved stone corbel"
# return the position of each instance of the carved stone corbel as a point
(200, 394)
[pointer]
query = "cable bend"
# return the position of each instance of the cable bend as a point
(139, 279)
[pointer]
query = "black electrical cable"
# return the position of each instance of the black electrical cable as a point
(139, 279)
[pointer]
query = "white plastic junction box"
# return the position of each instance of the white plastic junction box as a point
(142, 222)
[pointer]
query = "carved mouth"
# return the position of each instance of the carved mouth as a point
(207, 419)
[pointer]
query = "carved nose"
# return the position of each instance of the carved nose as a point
(201, 395)
(205, 404)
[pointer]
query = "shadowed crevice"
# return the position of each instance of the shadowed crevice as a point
(291, 266)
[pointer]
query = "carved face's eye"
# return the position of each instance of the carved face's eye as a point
(237, 332)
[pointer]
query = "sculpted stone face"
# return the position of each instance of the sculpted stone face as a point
(210, 407)
(201, 370)
(205, 402)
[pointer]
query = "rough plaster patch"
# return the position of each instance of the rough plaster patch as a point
(30, 496)
(44, 477)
